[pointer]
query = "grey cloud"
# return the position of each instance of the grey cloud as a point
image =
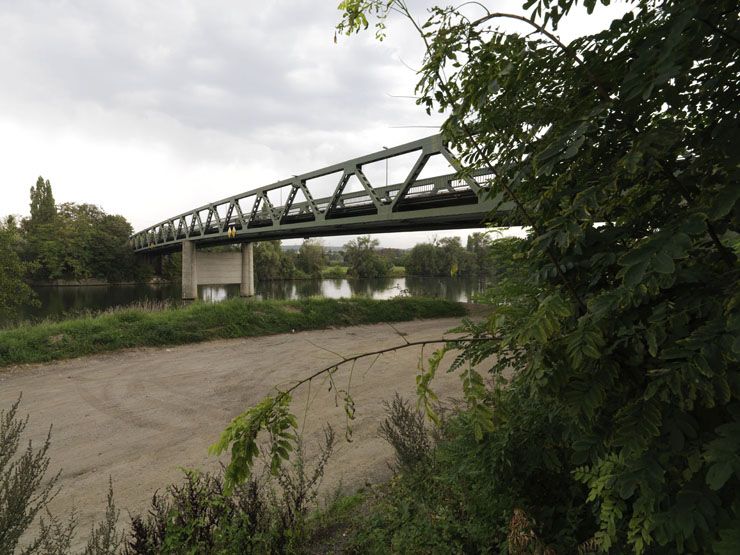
(225, 66)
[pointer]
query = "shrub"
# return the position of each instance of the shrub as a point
(404, 429)
(461, 496)
(24, 494)
(258, 516)
(22, 491)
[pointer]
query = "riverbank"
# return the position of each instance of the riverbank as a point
(139, 327)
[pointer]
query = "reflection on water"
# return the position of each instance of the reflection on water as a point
(454, 289)
(58, 301)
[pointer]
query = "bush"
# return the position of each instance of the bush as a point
(24, 494)
(334, 272)
(258, 516)
(461, 494)
(22, 491)
(404, 429)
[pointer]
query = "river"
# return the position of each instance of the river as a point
(57, 302)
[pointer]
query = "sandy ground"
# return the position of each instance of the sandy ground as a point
(140, 416)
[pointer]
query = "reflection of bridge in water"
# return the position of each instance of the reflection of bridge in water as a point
(303, 206)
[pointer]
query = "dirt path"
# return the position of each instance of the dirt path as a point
(141, 415)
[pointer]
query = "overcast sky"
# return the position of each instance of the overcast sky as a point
(151, 108)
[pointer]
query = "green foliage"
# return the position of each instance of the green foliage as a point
(271, 415)
(14, 293)
(23, 491)
(68, 242)
(621, 158)
(26, 491)
(363, 260)
(335, 272)
(447, 257)
(405, 430)
(271, 262)
(205, 515)
(43, 209)
(82, 242)
(460, 497)
(104, 537)
(425, 260)
(311, 258)
(197, 517)
(133, 327)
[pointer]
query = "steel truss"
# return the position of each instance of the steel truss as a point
(450, 201)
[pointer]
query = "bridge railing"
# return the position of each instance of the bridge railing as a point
(246, 214)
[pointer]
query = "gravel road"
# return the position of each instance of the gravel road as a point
(139, 416)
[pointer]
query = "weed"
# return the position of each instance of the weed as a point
(404, 429)
(24, 494)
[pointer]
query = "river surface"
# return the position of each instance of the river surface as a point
(56, 302)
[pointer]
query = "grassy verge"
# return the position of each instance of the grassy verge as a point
(397, 272)
(336, 272)
(203, 321)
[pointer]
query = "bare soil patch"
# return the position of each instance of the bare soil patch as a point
(142, 415)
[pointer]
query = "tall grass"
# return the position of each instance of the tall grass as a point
(157, 325)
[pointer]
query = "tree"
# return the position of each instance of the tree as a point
(479, 246)
(43, 208)
(457, 261)
(270, 262)
(363, 260)
(620, 151)
(425, 260)
(14, 293)
(311, 257)
(445, 257)
(83, 242)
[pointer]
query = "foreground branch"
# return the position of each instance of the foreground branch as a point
(377, 353)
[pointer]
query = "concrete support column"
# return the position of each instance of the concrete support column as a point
(246, 288)
(189, 271)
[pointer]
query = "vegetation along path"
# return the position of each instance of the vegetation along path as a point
(141, 415)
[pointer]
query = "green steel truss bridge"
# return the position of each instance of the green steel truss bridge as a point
(450, 201)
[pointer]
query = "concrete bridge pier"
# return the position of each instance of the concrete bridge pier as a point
(246, 287)
(189, 271)
(217, 268)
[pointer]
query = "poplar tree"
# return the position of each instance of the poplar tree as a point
(43, 209)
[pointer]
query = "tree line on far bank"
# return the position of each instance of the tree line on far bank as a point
(363, 258)
(71, 241)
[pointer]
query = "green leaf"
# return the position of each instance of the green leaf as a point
(678, 245)
(718, 474)
(637, 255)
(729, 543)
(663, 263)
(725, 201)
(695, 224)
(634, 274)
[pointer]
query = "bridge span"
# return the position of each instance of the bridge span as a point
(450, 201)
